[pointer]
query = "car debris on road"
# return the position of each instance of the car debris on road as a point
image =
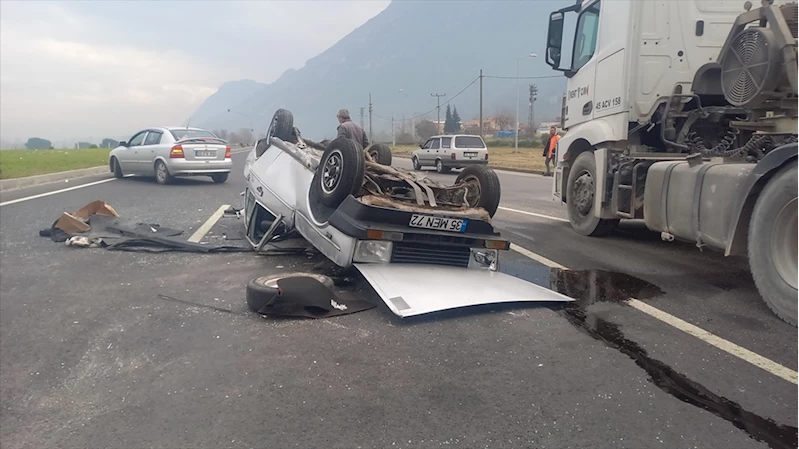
(99, 225)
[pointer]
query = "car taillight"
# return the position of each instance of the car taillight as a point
(486, 156)
(176, 152)
(227, 152)
(452, 156)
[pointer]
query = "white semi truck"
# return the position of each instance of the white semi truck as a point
(684, 114)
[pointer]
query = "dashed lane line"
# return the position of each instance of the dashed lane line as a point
(202, 230)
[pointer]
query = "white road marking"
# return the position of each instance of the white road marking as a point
(533, 214)
(536, 257)
(690, 329)
(726, 346)
(54, 192)
(202, 230)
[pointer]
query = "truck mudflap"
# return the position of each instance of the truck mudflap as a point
(411, 289)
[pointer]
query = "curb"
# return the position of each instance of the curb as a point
(499, 167)
(29, 181)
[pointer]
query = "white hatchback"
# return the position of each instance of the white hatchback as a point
(450, 151)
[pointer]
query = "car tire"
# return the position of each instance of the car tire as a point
(162, 175)
(219, 178)
(416, 164)
(340, 172)
(281, 126)
(440, 167)
(580, 199)
(380, 153)
(488, 189)
(772, 244)
(261, 290)
(116, 168)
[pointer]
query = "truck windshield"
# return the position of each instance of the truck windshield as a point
(469, 142)
(585, 43)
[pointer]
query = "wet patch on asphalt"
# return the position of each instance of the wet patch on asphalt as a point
(593, 286)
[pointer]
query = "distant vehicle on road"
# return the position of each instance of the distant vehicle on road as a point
(169, 152)
(452, 151)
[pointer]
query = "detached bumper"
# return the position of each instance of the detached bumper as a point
(179, 167)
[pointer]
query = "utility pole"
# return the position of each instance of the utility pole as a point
(531, 118)
(393, 137)
(362, 108)
(438, 108)
(481, 102)
(370, 117)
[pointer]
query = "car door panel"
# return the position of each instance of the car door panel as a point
(435, 149)
(147, 152)
(130, 156)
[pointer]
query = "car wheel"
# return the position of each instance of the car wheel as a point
(484, 189)
(380, 153)
(440, 167)
(116, 168)
(580, 199)
(219, 178)
(261, 290)
(282, 125)
(340, 172)
(162, 175)
(773, 242)
(416, 164)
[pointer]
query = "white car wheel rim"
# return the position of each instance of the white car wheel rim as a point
(331, 172)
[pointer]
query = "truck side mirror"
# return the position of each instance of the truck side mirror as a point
(554, 39)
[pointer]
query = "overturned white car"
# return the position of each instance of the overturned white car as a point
(356, 210)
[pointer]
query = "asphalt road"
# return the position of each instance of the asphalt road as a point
(90, 356)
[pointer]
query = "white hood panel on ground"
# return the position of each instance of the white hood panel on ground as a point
(410, 289)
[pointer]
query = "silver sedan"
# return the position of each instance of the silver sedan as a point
(169, 152)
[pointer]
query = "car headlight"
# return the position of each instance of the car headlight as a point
(373, 251)
(484, 258)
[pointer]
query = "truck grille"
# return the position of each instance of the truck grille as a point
(453, 256)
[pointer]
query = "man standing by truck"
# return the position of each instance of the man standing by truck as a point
(549, 148)
(351, 130)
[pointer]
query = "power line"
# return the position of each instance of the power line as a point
(435, 108)
(523, 77)
(467, 87)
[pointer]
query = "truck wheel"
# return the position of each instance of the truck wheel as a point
(261, 290)
(282, 126)
(580, 198)
(340, 171)
(380, 153)
(484, 186)
(773, 244)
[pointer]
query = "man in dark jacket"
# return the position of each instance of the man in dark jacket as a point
(549, 148)
(351, 130)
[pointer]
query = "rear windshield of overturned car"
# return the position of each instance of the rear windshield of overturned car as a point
(469, 142)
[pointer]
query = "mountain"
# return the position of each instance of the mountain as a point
(402, 55)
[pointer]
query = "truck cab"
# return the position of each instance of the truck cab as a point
(684, 114)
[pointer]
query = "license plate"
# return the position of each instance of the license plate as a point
(438, 223)
(205, 153)
(470, 153)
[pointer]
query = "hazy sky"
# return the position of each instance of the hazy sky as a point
(77, 70)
